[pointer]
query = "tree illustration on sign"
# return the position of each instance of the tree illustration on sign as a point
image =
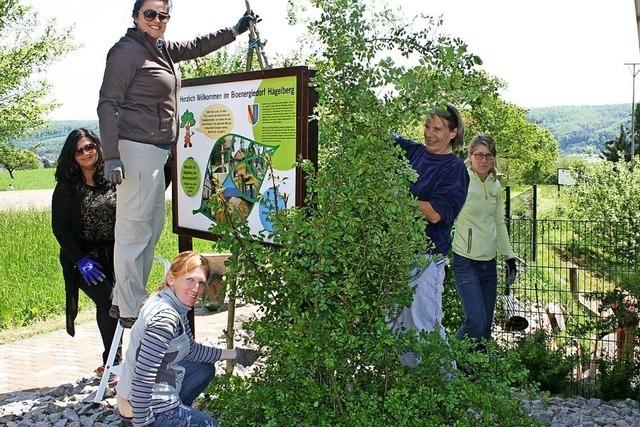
(186, 121)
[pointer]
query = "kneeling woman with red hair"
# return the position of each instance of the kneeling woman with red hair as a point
(164, 369)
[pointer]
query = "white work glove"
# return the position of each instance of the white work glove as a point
(114, 171)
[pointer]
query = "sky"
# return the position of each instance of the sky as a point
(548, 52)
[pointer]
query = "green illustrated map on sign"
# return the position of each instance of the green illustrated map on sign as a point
(237, 166)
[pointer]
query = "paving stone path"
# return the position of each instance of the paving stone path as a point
(48, 379)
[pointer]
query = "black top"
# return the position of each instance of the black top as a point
(82, 219)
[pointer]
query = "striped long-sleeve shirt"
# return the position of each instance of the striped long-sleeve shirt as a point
(161, 337)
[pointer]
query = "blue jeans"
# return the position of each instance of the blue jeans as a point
(476, 283)
(183, 416)
(197, 377)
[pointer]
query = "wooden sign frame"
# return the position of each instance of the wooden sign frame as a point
(238, 132)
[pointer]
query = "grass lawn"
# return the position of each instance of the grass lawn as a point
(565, 246)
(549, 198)
(32, 288)
(35, 179)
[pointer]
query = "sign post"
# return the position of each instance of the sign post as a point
(565, 177)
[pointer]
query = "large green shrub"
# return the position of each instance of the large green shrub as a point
(340, 270)
(547, 366)
(451, 304)
(618, 379)
(294, 391)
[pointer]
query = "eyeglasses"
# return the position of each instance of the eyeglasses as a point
(479, 156)
(150, 15)
(87, 149)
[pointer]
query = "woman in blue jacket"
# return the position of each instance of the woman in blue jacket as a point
(441, 189)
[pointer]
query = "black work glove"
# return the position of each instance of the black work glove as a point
(511, 269)
(243, 23)
(245, 357)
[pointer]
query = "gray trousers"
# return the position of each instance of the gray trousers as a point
(425, 312)
(139, 222)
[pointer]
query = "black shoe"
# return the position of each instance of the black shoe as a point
(127, 322)
(114, 311)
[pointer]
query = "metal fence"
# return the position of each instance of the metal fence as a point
(564, 288)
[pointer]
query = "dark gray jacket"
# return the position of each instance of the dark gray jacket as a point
(138, 97)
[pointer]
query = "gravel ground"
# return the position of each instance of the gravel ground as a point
(71, 405)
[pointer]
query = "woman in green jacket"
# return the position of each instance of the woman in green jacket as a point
(480, 232)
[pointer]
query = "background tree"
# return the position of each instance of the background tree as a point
(12, 158)
(617, 148)
(637, 133)
(575, 126)
(527, 151)
(342, 265)
(27, 47)
(226, 61)
(607, 195)
(222, 61)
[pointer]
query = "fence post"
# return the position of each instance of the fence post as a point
(573, 282)
(507, 208)
(534, 212)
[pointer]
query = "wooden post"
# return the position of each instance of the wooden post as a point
(232, 288)
(217, 263)
(231, 316)
(185, 243)
(573, 282)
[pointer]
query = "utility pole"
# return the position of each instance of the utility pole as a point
(634, 73)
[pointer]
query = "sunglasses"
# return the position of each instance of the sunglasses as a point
(151, 14)
(479, 156)
(87, 149)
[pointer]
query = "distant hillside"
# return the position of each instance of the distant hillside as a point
(52, 138)
(576, 127)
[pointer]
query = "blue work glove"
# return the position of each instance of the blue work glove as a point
(90, 271)
(245, 357)
(114, 171)
(511, 269)
(243, 23)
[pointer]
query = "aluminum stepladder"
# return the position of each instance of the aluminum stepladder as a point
(110, 367)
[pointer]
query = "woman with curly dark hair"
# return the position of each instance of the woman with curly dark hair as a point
(83, 218)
